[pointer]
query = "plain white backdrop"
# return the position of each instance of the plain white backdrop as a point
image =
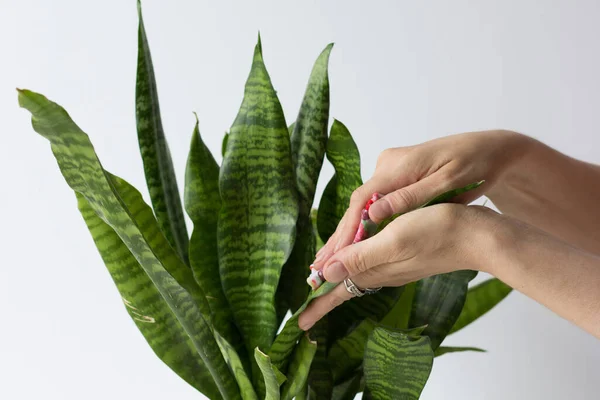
(402, 72)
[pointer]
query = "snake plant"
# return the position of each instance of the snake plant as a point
(211, 304)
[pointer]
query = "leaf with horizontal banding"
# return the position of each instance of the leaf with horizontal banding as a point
(237, 368)
(83, 172)
(308, 143)
(257, 221)
(481, 299)
(397, 365)
(345, 158)
(158, 166)
(299, 368)
(273, 378)
(202, 203)
(438, 302)
(440, 351)
(313, 217)
(347, 354)
(146, 307)
(285, 342)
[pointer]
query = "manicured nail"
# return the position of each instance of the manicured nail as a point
(335, 272)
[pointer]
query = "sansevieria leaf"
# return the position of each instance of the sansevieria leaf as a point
(397, 365)
(284, 343)
(203, 203)
(481, 299)
(156, 156)
(257, 221)
(345, 158)
(440, 351)
(320, 378)
(308, 142)
(146, 307)
(299, 368)
(237, 368)
(273, 378)
(83, 172)
(438, 302)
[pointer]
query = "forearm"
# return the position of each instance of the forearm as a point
(561, 277)
(553, 192)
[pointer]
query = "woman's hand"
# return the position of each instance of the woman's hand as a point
(429, 241)
(411, 176)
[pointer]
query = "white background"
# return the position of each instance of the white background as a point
(402, 72)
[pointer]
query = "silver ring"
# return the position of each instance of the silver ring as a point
(356, 291)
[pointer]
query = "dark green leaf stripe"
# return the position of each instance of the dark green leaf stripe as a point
(345, 158)
(272, 377)
(83, 172)
(286, 340)
(237, 368)
(438, 302)
(158, 166)
(397, 365)
(440, 351)
(481, 299)
(299, 368)
(308, 141)
(146, 307)
(202, 203)
(257, 221)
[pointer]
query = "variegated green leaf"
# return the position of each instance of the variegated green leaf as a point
(237, 368)
(440, 351)
(299, 368)
(308, 141)
(438, 302)
(158, 166)
(313, 217)
(203, 203)
(481, 299)
(285, 342)
(146, 307)
(347, 390)
(273, 378)
(399, 315)
(257, 221)
(347, 354)
(83, 172)
(345, 158)
(397, 365)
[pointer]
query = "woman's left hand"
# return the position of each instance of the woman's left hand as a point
(422, 243)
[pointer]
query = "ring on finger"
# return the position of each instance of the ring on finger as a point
(356, 291)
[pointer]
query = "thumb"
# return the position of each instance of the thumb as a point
(410, 197)
(359, 257)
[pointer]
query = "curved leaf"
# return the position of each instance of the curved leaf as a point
(271, 375)
(397, 365)
(257, 221)
(299, 368)
(399, 315)
(83, 172)
(308, 143)
(347, 354)
(320, 378)
(345, 158)
(438, 302)
(158, 166)
(348, 390)
(236, 367)
(286, 340)
(440, 351)
(481, 299)
(146, 307)
(202, 203)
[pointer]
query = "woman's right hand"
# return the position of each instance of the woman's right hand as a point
(408, 177)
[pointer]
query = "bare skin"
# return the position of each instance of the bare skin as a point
(546, 244)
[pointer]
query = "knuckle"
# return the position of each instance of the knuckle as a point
(334, 301)
(357, 195)
(384, 156)
(403, 199)
(356, 263)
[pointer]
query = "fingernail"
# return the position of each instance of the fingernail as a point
(380, 210)
(335, 272)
